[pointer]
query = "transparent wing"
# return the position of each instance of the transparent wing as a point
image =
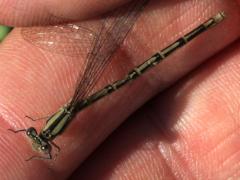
(114, 29)
(67, 39)
(94, 41)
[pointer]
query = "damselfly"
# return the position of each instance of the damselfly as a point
(113, 31)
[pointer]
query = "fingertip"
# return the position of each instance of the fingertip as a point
(46, 12)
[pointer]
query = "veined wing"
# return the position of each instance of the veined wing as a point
(93, 41)
(67, 39)
(114, 29)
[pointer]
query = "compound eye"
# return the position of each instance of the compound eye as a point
(44, 148)
(31, 131)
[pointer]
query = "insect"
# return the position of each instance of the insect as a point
(105, 43)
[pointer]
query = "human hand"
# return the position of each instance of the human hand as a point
(187, 131)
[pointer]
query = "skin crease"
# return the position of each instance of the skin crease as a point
(188, 131)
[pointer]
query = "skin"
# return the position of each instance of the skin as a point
(189, 130)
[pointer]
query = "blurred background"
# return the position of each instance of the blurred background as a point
(4, 30)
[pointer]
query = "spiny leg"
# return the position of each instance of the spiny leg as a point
(42, 118)
(17, 131)
(56, 146)
(48, 157)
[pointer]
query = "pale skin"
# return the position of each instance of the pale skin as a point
(187, 131)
